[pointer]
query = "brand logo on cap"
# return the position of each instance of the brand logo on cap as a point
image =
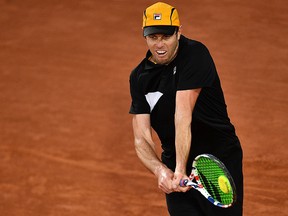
(157, 16)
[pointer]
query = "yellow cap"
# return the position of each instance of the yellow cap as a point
(160, 15)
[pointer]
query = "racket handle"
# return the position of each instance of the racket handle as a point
(183, 182)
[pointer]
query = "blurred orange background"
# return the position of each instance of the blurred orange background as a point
(66, 143)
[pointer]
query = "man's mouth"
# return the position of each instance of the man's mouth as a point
(161, 52)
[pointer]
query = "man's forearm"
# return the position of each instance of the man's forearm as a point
(147, 154)
(185, 103)
(182, 145)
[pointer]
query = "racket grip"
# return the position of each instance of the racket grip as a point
(183, 182)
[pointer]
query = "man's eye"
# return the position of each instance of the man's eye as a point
(166, 37)
(153, 37)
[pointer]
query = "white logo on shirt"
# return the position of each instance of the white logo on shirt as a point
(174, 70)
(152, 98)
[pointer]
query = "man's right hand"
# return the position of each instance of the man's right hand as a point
(165, 178)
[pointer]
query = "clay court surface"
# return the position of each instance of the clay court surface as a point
(66, 145)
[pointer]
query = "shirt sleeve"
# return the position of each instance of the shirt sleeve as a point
(198, 71)
(139, 105)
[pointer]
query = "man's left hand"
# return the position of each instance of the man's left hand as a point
(176, 182)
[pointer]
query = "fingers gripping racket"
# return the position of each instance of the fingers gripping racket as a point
(212, 179)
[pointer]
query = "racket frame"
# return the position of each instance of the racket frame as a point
(199, 186)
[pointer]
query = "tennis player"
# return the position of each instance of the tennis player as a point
(176, 91)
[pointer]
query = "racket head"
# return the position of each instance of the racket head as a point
(215, 178)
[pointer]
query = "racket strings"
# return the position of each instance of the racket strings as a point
(209, 172)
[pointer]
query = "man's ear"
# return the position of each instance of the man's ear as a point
(179, 32)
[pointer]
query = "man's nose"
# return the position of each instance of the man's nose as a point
(159, 43)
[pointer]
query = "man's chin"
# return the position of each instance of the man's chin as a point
(162, 61)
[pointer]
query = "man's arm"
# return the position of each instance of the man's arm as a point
(185, 103)
(145, 149)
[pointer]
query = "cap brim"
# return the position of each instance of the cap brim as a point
(167, 30)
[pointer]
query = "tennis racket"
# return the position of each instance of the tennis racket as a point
(212, 179)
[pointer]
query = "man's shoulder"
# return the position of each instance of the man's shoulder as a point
(188, 44)
(190, 48)
(138, 69)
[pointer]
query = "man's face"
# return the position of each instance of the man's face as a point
(163, 47)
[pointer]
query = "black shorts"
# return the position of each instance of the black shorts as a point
(193, 203)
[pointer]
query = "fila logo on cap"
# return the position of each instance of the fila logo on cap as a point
(157, 16)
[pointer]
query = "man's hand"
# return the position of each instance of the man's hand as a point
(176, 182)
(165, 177)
